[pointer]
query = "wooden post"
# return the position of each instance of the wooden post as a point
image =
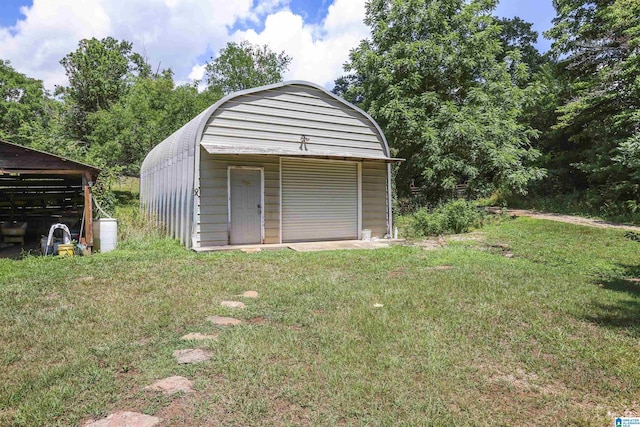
(88, 211)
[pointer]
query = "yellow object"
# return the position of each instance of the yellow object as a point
(65, 249)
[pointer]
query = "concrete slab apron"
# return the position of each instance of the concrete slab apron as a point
(331, 246)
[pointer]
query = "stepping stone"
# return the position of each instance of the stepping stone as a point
(191, 355)
(251, 250)
(233, 304)
(197, 336)
(249, 294)
(126, 419)
(172, 385)
(85, 279)
(378, 305)
(223, 321)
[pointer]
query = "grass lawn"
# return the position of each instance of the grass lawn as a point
(466, 335)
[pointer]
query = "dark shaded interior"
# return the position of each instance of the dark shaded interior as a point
(41, 189)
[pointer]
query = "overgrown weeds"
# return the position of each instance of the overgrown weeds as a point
(458, 216)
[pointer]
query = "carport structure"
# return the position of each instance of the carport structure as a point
(42, 189)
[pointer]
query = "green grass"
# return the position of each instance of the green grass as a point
(549, 337)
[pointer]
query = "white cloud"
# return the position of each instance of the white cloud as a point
(197, 72)
(171, 33)
(318, 51)
(49, 31)
(181, 34)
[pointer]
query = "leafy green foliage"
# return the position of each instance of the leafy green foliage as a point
(150, 110)
(22, 105)
(242, 66)
(518, 37)
(431, 77)
(98, 73)
(454, 217)
(599, 43)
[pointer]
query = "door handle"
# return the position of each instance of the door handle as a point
(259, 209)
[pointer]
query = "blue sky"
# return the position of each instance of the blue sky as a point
(183, 35)
(10, 11)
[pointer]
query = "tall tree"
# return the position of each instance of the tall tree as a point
(518, 35)
(98, 71)
(243, 66)
(151, 110)
(22, 102)
(430, 75)
(598, 42)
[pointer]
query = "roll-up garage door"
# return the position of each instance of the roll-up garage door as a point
(319, 200)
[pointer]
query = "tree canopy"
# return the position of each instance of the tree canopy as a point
(431, 75)
(244, 65)
(98, 74)
(22, 104)
(598, 43)
(463, 96)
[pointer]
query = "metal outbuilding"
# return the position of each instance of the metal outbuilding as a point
(288, 162)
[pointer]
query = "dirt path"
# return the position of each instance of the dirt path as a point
(571, 219)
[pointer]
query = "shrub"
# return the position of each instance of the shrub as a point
(458, 216)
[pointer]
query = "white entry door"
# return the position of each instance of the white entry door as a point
(245, 206)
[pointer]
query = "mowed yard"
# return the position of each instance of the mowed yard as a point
(465, 336)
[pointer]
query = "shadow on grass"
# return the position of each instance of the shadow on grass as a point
(625, 313)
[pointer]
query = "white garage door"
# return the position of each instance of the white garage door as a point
(319, 200)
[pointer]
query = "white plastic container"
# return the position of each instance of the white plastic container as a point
(105, 234)
(366, 234)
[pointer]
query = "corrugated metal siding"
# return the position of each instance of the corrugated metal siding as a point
(273, 121)
(375, 202)
(212, 228)
(167, 181)
(319, 200)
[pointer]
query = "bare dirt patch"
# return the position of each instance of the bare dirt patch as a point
(429, 245)
(249, 294)
(398, 272)
(257, 321)
(570, 219)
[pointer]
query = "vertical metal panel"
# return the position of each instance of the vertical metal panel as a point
(374, 198)
(319, 200)
(167, 180)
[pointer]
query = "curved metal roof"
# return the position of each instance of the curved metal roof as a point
(191, 133)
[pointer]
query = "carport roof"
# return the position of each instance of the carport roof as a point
(18, 160)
